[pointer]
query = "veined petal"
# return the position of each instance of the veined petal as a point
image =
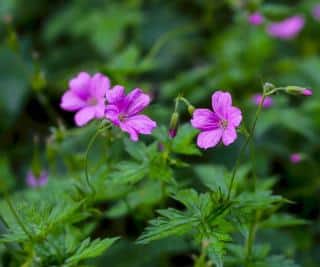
(209, 139)
(80, 85)
(229, 135)
(136, 101)
(84, 115)
(234, 116)
(204, 119)
(131, 131)
(99, 84)
(115, 94)
(221, 101)
(141, 123)
(71, 102)
(112, 114)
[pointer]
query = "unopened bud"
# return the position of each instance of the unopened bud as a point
(39, 81)
(307, 92)
(191, 109)
(174, 124)
(296, 90)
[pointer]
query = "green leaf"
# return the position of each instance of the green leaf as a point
(259, 200)
(14, 75)
(129, 172)
(91, 249)
(171, 222)
(137, 150)
(282, 220)
(277, 261)
(183, 143)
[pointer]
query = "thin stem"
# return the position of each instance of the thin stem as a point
(47, 106)
(244, 146)
(251, 237)
(16, 216)
(164, 39)
(250, 241)
(91, 142)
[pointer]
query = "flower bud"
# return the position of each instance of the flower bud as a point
(174, 124)
(296, 90)
(296, 158)
(191, 109)
(38, 81)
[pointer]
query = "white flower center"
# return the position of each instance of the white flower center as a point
(92, 101)
(223, 124)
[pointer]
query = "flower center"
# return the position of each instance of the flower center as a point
(92, 101)
(122, 117)
(223, 124)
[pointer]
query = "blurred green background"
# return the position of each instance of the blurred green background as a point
(167, 47)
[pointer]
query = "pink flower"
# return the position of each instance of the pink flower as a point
(86, 95)
(307, 92)
(316, 12)
(33, 180)
(257, 98)
(286, 29)
(255, 18)
(295, 158)
(219, 124)
(123, 111)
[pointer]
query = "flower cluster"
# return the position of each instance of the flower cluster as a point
(92, 97)
(88, 96)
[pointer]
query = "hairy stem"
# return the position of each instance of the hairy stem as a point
(244, 146)
(91, 142)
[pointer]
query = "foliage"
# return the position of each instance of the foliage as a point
(160, 201)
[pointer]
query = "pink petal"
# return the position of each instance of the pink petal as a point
(80, 85)
(100, 109)
(209, 139)
(115, 94)
(43, 179)
(71, 102)
(136, 101)
(132, 132)
(286, 29)
(31, 180)
(204, 119)
(234, 116)
(221, 101)
(99, 85)
(141, 123)
(84, 115)
(229, 135)
(112, 114)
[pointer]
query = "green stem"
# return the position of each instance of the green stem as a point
(91, 142)
(251, 237)
(17, 218)
(164, 39)
(250, 241)
(47, 106)
(244, 146)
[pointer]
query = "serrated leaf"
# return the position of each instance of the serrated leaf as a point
(171, 222)
(91, 249)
